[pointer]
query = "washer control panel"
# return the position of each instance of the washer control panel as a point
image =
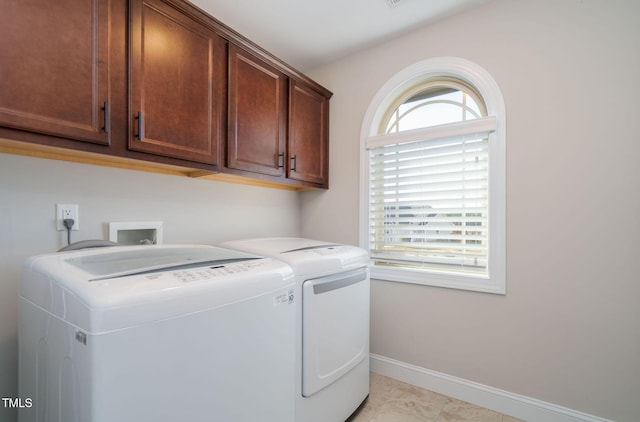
(208, 273)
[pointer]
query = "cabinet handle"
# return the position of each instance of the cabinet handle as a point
(293, 163)
(105, 111)
(281, 160)
(140, 133)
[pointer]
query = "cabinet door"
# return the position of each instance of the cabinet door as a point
(178, 84)
(54, 68)
(308, 135)
(257, 115)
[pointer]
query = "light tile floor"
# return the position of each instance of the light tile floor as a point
(391, 400)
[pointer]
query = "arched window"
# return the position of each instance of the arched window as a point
(433, 102)
(433, 145)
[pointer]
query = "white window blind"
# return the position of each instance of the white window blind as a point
(429, 197)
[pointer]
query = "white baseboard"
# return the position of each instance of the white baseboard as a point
(521, 407)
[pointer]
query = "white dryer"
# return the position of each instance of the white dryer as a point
(332, 346)
(157, 334)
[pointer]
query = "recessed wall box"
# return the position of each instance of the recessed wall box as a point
(136, 233)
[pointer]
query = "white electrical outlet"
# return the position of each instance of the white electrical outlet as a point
(64, 211)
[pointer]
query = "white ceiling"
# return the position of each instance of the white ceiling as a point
(310, 33)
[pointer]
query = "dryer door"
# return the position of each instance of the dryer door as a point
(335, 327)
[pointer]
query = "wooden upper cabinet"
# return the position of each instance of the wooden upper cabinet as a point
(54, 69)
(257, 115)
(165, 83)
(178, 84)
(308, 135)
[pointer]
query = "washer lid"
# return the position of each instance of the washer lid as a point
(117, 263)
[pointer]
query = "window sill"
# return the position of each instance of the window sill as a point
(440, 279)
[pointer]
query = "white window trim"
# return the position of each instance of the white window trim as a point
(476, 76)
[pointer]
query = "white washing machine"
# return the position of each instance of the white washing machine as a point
(332, 346)
(157, 334)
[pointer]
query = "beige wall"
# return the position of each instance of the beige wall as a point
(568, 330)
(193, 211)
